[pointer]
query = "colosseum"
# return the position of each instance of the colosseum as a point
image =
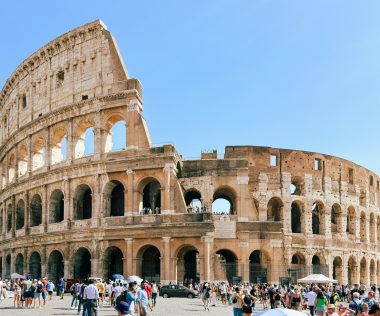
(146, 210)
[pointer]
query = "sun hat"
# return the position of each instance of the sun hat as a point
(331, 306)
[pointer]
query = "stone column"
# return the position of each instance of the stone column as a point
(70, 142)
(45, 208)
(30, 155)
(130, 207)
(243, 209)
(27, 213)
(68, 207)
(13, 201)
(43, 261)
(128, 260)
(207, 248)
(94, 266)
(67, 269)
(13, 261)
(166, 277)
(307, 219)
(166, 206)
(48, 149)
(3, 255)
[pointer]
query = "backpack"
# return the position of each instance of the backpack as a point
(121, 297)
(39, 288)
(207, 294)
(32, 288)
(72, 289)
(356, 307)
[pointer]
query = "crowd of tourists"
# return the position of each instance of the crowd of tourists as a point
(327, 300)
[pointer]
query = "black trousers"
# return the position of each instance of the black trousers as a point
(91, 307)
(311, 308)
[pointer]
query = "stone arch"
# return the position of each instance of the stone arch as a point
(363, 271)
(20, 214)
(297, 208)
(372, 227)
(338, 269)
(363, 226)
(352, 270)
(116, 124)
(113, 262)
(259, 262)
(83, 202)
(297, 186)
(193, 200)
(56, 265)
(150, 201)
(274, 209)
(9, 217)
(59, 144)
(19, 264)
(351, 220)
(318, 222)
(113, 194)
(22, 160)
(38, 153)
(82, 263)
(316, 262)
(8, 262)
(35, 208)
(11, 168)
(84, 131)
(378, 228)
(336, 222)
(188, 264)
(225, 265)
(372, 272)
(35, 265)
(56, 206)
(1, 221)
(228, 197)
(150, 264)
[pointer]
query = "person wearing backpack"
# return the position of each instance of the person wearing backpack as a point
(334, 297)
(248, 303)
(37, 293)
(356, 303)
(206, 296)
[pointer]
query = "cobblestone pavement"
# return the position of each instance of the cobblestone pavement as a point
(169, 306)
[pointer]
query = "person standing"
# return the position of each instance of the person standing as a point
(310, 297)
(61, 288)
(320, 303)
(142, 300)
(154, 293)
(91, 296)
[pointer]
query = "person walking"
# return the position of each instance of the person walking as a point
(91, 296)
(310, 297)
(320, 303)
(154, 293)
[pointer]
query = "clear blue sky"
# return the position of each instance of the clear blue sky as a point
(291, 74)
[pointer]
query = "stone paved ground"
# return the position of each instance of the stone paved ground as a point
(169, 306)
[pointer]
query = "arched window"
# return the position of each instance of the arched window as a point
(274, 209)
(11, 169)
(22, 161)
(83, 202)
(85, 140)
(38, 158)
(296, 217)
(56, 207)
(116, 136)
(224, 201)
(58, 150)
(317, 217)
(9, 217)
(193, 200)
(114, 198)
(151, 202)
(351, 221)
(336, 213)
(20, 214)
(35, 210)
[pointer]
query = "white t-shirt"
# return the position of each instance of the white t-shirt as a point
(223, 289)
(311, 295)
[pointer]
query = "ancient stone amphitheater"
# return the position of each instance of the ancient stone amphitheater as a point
(145, 210)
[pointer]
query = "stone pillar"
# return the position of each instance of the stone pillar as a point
(43, 261)
(307, 219)
(243, 209)
(70, 142)
(367, 230)
(98, 136)
(68, 269)
(27, 213)
(207, 248)
(68, 206)
(30, 155)
(13, 201)
(166, 256)
(96, 199)
(45, 208)
(13, 261)
(48, 149)
(128, 260)
(94, 266)
(166, 206)
(3, 255)
(326, 226)
(129, 200)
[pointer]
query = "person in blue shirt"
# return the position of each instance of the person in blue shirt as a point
(142, 300)
(131, 297)
(61, 288)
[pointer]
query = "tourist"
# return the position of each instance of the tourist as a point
(28, 292)
(37, 293)
(61, 288)
(320, 303)
(296, 300)
(44, 291)
(90, 297)
(277, 299)
(374, 310)
(102, 290)
(75, 291)
(206, 296)
(50, 289)
(123, 308)
(356, 303)
(370, 299)
(331, 310)
(131, 298)
(142, 300)
(237, 301)
(310, 297)
(17, 295)
(334, 297)
(247, 303)
(223, 292)
(364, 310)
(155, 292)
(214, 292)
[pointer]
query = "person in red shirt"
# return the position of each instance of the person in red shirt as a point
(44, 292)
(148, 289)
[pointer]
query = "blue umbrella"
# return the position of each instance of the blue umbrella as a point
(117, 277)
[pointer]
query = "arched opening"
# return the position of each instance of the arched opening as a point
(188, 265)
(336, 213)
(363, 271)
(38, 154)
(19, 265)
(8, 265)
(316, 262)
(57, 206)
(352, 270)
(11, 168)
(20, 214)
(225, 265)
(338, 269)
(151, 202)
(378, 230)
(82, 264)
(113, 262)
(224, 201)
(22, 161)
(150, 263)
(372, 227)
(9, 217)
(274, 209)
(298, 268)
(363, 228)
(35, 265)
(85, 140)
(297, 186)
(372, 272)
(116, 137)
(258, 268)
(58, 150)
(296, 217)
(114, 198)
(1, 221)
(55, 266)
(317, 218)
(351, 221)
(193, 201)
(83, 202)
(35, 210)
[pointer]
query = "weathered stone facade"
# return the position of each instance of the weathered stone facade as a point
(63, 212)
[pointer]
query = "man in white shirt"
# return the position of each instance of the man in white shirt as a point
(90, 297)
(311, 296)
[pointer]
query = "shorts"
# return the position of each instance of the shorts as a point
(43, 295)
(37, 295)
(27, 294)
(223, 295)
(320, 310)
(50, 292)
